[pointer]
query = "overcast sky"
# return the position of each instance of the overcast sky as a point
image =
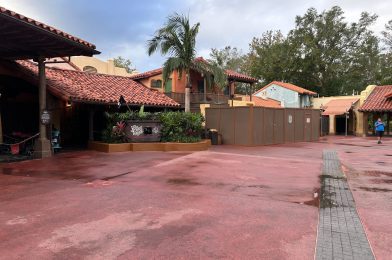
(120, 27)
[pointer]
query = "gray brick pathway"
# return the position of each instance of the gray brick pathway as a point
(340, 232)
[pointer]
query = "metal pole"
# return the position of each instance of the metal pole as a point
(321, 123)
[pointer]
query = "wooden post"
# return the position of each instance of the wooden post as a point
(42, 147)
(251, 92)
(205, 89)
(91, 125)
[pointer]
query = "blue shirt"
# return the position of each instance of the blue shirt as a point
(379, 126)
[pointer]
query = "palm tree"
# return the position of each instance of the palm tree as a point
(178, 39)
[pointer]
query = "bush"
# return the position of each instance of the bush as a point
(176, 126)
(181, 127)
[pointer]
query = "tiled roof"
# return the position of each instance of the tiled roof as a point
(289, 86)
(339, 106)
(147, 74)
(261, 102)
(45, 27)
(231, 74)
(98, 88)
(378, 100)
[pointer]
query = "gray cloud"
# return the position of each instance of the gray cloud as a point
(123, 27)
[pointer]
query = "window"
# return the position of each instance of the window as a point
(156, 83)
(89, 69)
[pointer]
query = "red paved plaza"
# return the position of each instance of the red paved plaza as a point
(229, 202)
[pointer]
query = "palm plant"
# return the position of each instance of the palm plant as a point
(178, 39)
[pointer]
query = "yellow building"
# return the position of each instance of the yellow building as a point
(337, 108)
(94, 65)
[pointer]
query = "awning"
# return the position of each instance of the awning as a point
(25, 38)
(339, 106)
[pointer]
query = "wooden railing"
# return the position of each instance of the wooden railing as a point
(200, 98)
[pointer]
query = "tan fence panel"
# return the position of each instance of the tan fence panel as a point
(242, 125)
(279, 126)
(268, 126)
(258, 126)
(308, 126)
(316, 125)
(227, 123)
(289, 125)
(299, 120)
(213, 118)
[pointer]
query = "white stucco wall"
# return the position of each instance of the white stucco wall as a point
(287, 97)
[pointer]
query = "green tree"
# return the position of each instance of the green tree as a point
(230, 58)
(388, 35)
(329, 53)
(178, 39)
(386, 56)
(322, 53)
(268, 58)
(124, 63)
(227, 58)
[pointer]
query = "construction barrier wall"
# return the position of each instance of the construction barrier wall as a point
(262, 126)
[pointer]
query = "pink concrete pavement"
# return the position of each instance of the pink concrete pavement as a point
(368, 167)
(229, 202)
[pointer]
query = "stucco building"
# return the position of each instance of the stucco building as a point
(289, 95)
(201, 94)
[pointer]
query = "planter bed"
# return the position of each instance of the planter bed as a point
(163, 147)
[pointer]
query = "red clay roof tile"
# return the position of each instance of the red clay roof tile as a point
(99, 88)
(147, 74)
(288, 86)
(261, 102)
(339, 106)
(378, 100)
(231, 74)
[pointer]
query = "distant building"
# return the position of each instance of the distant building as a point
(358, 113)
(287, 94)
(94, 65)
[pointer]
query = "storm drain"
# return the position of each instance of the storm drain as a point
(340, 231)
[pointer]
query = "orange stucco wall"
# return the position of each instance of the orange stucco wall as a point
(147, 82)
(179, 83)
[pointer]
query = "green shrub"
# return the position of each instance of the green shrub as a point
(181, 127)
(176, 126)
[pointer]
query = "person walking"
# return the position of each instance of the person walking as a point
(380, 127)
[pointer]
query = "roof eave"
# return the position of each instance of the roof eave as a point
(90, 50)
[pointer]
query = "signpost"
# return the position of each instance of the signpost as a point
(45, 117)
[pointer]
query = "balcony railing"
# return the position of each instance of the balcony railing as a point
(200, 98)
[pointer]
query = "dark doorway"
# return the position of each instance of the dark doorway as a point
(200, 86)
(19, 106)
(340, 125)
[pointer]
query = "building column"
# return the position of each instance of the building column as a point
(365, 124)
(205, 89)
(332, 126)
(91, 125)
(231, 92)
(359, 127)
(251, 91)
(42, 145)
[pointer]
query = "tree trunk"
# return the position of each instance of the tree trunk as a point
(188, 93)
